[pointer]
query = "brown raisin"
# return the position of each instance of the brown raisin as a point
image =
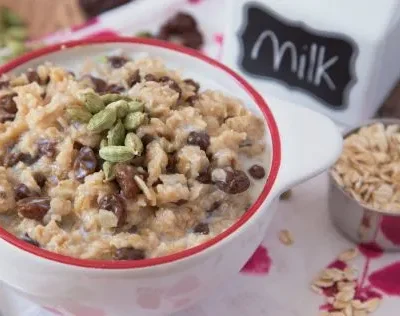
(33, 76)
(85, 163)
(150, 77)
(47, 148)
(12, 158)
(33, 207)
(257, 172)
(192, 83)
(171, 166)
(21, 191)
(193, 39)
(5, 116)
(99, 85)
(204, 176)
(4, 83)
(190, 100)
(30, 240)
(92, 8)
(234, 182)
(114, 203)
(214, 207)
(40, 179)
(147, 139)
(124, 175)
(180, 22)
(201, 228)
(8, 104)
(133, 79)
(200, 139)
(114, 88)
(117, 61)
(129, 253)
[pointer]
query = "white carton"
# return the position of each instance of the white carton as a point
(338, 57)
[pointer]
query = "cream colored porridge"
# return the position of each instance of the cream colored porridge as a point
(138, 164)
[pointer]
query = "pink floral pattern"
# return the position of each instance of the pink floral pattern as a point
(259, 263)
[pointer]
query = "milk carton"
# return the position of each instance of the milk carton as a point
(338, 57)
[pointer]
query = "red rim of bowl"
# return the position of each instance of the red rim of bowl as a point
(110, 264)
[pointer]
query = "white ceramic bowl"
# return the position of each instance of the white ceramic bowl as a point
(303, 143)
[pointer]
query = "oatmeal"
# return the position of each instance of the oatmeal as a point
(126, 161)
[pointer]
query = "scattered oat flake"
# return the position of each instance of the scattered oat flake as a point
(286, 237)
(372, 304)
(348, 254)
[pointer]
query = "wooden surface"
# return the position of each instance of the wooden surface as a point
(46, 16)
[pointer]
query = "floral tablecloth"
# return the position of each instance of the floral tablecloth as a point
(276, 280)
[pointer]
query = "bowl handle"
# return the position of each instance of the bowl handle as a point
(310, 143)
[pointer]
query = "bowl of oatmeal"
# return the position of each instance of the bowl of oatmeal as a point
(136, 175)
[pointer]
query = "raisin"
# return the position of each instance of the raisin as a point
(4, 83)
(129, 253)
(114, 88)
(180, 202)
(33, 76)
(133, 229)
(150, 77)
(85, 163)
(8, 104)
(40, 179)
(124, 175)
(192, 83)
(12, 158)
(204, 177)
(180, 22)
(193, 39)
(99, 85)
(47, 148)
(5, 116)
(214, 207)
(114, 203)
(92, 8)
(234, 182)
(117, 61)
(201, 228)
(147, 139)
(171, 166)
(21, 191)
(190, 100)
(77, 145)
(33, 207)
(200, 139)
(30, 240)
(184, 27)
(257, 172)
(133, 79)
(171, 83)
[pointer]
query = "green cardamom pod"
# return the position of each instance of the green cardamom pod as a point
(116, 135)
(93, 102)
(136, 106)
(108, 169)
(133, 120)
(112, 97)
(102, 121)
(103, 142)
(79, 114)
(133, 142)
(121, 106)
(116, 153)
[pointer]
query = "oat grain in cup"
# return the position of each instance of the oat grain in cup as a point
(369, 167)
(126, 161)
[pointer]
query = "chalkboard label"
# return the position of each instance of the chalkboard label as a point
(320, 64)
